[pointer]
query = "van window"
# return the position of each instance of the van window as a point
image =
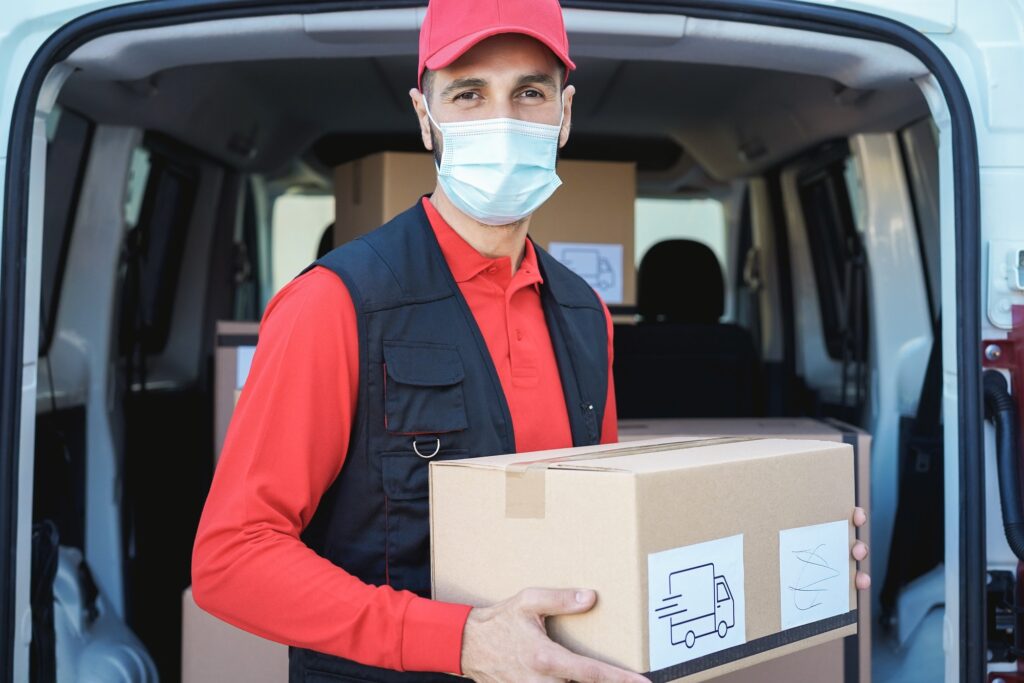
(138, 176)
(837, 256)
(298, 222)
(68, 137)
(246, 264)
(155, 244)
(701, 220)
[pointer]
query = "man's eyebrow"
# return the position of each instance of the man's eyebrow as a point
(536, 79)
(460, 83)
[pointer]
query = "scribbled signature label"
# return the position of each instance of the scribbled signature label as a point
(814, 572)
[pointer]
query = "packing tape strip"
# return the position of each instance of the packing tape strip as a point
(525, 487)
(753, 647)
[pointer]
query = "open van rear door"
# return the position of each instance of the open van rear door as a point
(29, 87)
(37, 44)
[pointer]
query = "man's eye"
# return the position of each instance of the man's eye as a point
(466, 95)
(532, 93)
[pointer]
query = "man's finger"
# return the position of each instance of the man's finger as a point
(860, 517)
(860, 551)
(557, 662)
(863, 581)
(548, 601)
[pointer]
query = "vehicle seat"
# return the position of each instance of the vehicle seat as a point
(679, 360)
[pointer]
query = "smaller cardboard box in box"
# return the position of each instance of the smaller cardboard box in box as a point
(707, 555)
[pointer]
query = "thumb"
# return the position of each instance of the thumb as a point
(549, 601)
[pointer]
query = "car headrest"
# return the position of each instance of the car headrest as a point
(680, 281)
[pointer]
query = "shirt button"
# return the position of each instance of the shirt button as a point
(519, 335)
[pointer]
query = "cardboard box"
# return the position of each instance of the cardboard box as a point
(235, 345)
(837, 662)
(214, 651)
(590, 217)
(752, 536)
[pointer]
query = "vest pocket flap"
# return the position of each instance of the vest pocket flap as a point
(423, 364)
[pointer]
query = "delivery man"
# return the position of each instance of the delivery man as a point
(446, 333)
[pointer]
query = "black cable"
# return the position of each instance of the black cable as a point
(1001, 409)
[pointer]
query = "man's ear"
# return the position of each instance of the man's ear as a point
(563, 135)
(421, 114)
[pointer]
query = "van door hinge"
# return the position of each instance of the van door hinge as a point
(1005, 281)
(1001, 608)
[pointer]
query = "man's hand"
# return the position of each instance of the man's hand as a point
(860, 551)
(508, 642)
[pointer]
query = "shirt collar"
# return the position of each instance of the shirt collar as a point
(466, 263)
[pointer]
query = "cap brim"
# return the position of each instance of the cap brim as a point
(452, 51)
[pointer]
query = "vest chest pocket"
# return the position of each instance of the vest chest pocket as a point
(423, 388)
(407, 517)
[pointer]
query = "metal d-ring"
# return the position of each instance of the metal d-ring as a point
(437, 448)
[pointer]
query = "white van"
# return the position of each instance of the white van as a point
(855, 165)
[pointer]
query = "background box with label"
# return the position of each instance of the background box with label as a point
(234, 344)
(847, 661)
(213, 651)
(599, 517)
(594, 204)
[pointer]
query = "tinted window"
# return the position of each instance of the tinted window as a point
(153, 250)
(838, 259)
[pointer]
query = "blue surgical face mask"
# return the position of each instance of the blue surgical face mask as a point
(498, 170)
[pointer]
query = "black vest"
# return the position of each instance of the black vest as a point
(428, 390)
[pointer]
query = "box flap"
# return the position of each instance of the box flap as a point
(525, 472)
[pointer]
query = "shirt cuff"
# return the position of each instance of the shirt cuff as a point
(432, 636)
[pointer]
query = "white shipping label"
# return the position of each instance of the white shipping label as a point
(695, 598)
(814, 572)
(599, 264)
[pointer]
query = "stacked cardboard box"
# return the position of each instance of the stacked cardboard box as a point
(588, 223)
(213, 651)
(234, 348)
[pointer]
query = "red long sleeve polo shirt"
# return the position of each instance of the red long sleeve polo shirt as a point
(287, 442)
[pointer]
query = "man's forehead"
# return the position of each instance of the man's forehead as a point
(505, 56)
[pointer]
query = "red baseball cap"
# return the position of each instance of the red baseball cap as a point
(451, 27)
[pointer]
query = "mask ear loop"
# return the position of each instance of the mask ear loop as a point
(426, 108)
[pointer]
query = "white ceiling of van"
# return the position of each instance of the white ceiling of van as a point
(257, 92)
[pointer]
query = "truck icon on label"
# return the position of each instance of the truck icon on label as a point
(591, 266)
(699, 603)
